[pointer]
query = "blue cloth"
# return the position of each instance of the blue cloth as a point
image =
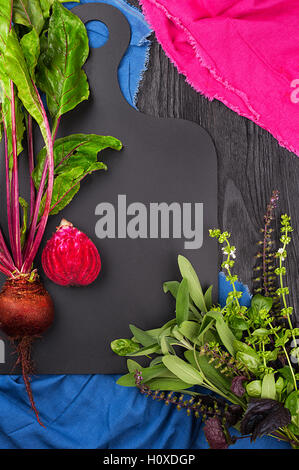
(224, 287)
(82, 411)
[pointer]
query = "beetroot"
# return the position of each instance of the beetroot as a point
(70, 258)
(26, 311)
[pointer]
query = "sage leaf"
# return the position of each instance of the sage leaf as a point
(148, 373)
(190, 330)
(154, 348)
(182, 302)
(209, 370)
(226, 335)
(188, 272)
(59, 71)
(141, 336)
(208, 297)
(183, 370)
(172, 287)
(167, 384)
(133, 366)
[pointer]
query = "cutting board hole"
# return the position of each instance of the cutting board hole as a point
(98, 33)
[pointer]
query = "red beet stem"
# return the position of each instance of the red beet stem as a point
(24, 353)
(15, 186)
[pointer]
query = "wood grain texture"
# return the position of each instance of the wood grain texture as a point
(250, 161)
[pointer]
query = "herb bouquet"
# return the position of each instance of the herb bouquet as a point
(247, 356)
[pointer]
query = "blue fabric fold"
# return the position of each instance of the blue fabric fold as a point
(92, 411)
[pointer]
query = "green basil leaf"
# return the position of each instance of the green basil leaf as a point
(292, 403)
(249, 361)
(268, 387)
(28, 13)
(188, 272)
(238, 323)
(279, 385)
(123, 347)
(182, 370)
(59, 72)
(244, 348)
(286, 373)
(182, 302)
(261, 332)
(254, 388)
(260, 302)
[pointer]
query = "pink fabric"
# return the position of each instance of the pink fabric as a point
(244, 53)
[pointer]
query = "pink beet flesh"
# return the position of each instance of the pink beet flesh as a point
(70, 258)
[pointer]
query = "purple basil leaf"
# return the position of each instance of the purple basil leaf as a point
(214, 434)
(264, 416)
(237, 385)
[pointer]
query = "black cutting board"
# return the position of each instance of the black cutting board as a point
(163, 160)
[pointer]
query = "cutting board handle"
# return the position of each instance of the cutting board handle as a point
(103, 76)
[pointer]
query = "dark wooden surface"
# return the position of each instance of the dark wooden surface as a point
(250, 161)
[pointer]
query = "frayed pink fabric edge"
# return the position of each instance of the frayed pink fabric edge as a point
(255, 117)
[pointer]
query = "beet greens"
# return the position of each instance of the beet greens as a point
(43, 47)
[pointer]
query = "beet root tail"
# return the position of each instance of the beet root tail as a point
(24, 359)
